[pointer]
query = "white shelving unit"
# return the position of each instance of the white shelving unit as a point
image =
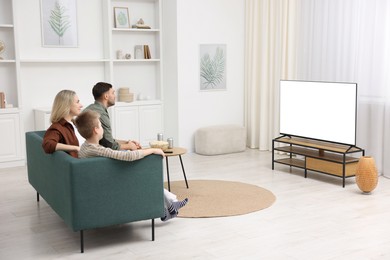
(143, 119)
(35, 74)
(11, 149)
(142, 76)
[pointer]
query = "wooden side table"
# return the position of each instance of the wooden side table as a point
(175, 151)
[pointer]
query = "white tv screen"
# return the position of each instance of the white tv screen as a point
(319, 110)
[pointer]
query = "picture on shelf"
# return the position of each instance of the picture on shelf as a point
(212, 67)
(59, 23)
(139, 52)
(121, 15)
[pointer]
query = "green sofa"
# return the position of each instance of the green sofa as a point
(95, 192)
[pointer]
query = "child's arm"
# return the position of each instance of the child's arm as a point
(153, 151)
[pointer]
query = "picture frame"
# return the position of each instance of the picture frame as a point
(59, 23)
(139, 52)
(212, 67)
(121, 16)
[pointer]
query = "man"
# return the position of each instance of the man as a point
(104, 96)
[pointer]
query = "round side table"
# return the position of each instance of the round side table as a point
(175, 151)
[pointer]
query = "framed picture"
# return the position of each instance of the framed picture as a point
(59, 23)
(121, 15)
(212, 67)
(139, 52)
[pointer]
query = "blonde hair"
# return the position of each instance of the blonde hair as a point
(61, 105)
(86, 122)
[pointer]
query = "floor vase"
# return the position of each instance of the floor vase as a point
(366, 174)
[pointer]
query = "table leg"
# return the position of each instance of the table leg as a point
(184, 173)
(169, 184)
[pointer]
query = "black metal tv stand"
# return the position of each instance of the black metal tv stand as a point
(319, 156)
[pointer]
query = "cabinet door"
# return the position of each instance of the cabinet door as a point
(10, 148)
(125, 123)
(150, 123)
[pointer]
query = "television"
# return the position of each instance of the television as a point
(325, 111)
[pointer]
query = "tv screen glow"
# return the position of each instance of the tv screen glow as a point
(319, 110)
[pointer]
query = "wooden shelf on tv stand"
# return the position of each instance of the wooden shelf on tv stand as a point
(319, 156)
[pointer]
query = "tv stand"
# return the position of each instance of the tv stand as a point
(319, 156)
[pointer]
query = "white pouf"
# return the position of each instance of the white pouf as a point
(220, 139)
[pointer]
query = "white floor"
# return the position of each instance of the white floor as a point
(313, 218)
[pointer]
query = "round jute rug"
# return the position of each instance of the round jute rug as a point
(215, 198)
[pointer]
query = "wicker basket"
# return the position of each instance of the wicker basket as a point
(159, 144)
(125, 95)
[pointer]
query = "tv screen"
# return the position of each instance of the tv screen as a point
(319, 110)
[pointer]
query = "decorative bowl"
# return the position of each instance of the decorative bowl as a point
(159, 144)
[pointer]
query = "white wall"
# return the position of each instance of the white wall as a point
(207, 22)
(187, 23)
(170, 91)
(41, 81)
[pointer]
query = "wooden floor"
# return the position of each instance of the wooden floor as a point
(313, 218)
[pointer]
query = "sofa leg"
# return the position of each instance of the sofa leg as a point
(82, 241)
(37, 196)
(152, 229)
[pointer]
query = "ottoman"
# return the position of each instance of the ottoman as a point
(220, 139)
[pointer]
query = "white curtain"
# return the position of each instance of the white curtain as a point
(348, 41)
(268, 57)
(332, 40)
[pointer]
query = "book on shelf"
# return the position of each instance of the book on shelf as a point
(147, 54)
(2, 100)
(142, 52)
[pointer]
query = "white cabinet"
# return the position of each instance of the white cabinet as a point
(10, 139)
(150, 123)
(124, 120)
(135, 121)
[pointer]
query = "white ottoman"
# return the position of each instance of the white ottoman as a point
(220, 139)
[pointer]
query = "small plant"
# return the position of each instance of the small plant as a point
(59, 22)
(212, 70)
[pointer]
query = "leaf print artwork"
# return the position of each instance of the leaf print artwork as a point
(59, 23)
(212, 67)
(122, 19)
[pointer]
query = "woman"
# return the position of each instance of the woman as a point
(60, 136)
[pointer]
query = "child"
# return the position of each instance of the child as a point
(89, 127)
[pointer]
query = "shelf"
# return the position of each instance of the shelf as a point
(138, 103)
(314, 153)
(292, 162)
(62, 61)
(7, 61)
(12, 110)
(135, 30)
(6, 26)
(138, 60)
(319, 145)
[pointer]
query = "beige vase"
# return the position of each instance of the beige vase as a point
(366, 174)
